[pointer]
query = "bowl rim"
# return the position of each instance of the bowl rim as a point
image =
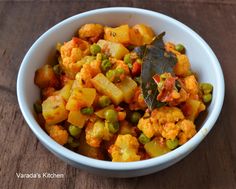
(121, 166)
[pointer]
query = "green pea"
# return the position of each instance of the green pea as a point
(72, 142)
(106, 65)
(113, 127)
(135, 117)
(94, 49)
(172, 144)
(206, 87)
(57, 69)
(87, 111)
(104, 101)
(111, 75)
(74, 130)
(111, 115)
(180, 48)
(207, 98)
(37, 108)
(143, 139)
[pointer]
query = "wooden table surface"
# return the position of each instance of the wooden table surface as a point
(211, 165)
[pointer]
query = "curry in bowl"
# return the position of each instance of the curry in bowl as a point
(120, 94)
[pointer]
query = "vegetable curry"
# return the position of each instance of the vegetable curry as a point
(120, 94)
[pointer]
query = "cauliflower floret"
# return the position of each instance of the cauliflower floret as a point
(88, 71)
(166, 114)
(125, 149)
(71, 52)
(169, 130)
(147, 127)
(182, 67)
(73, 48)
(58, 133)
(54, 109)
(188, 130)
(96, 132)
(191, 85)
(91, 32)
(138, 102)
(183, 96)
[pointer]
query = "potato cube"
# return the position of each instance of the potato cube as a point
(106, 87)
(116, 50)
(54, 109)
(101, 113)
(135, 37)
(182, 67)
(127, 86)
(77, 118)
(45, 77)
(119, 34)
(192, 108)
(81, 97)
(146, 33)
(155, 148)
(65, 91)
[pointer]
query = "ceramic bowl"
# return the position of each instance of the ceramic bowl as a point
(202, 58)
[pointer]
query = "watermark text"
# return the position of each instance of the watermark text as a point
(45, 175)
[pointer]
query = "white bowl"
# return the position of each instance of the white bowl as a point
(202, 58)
